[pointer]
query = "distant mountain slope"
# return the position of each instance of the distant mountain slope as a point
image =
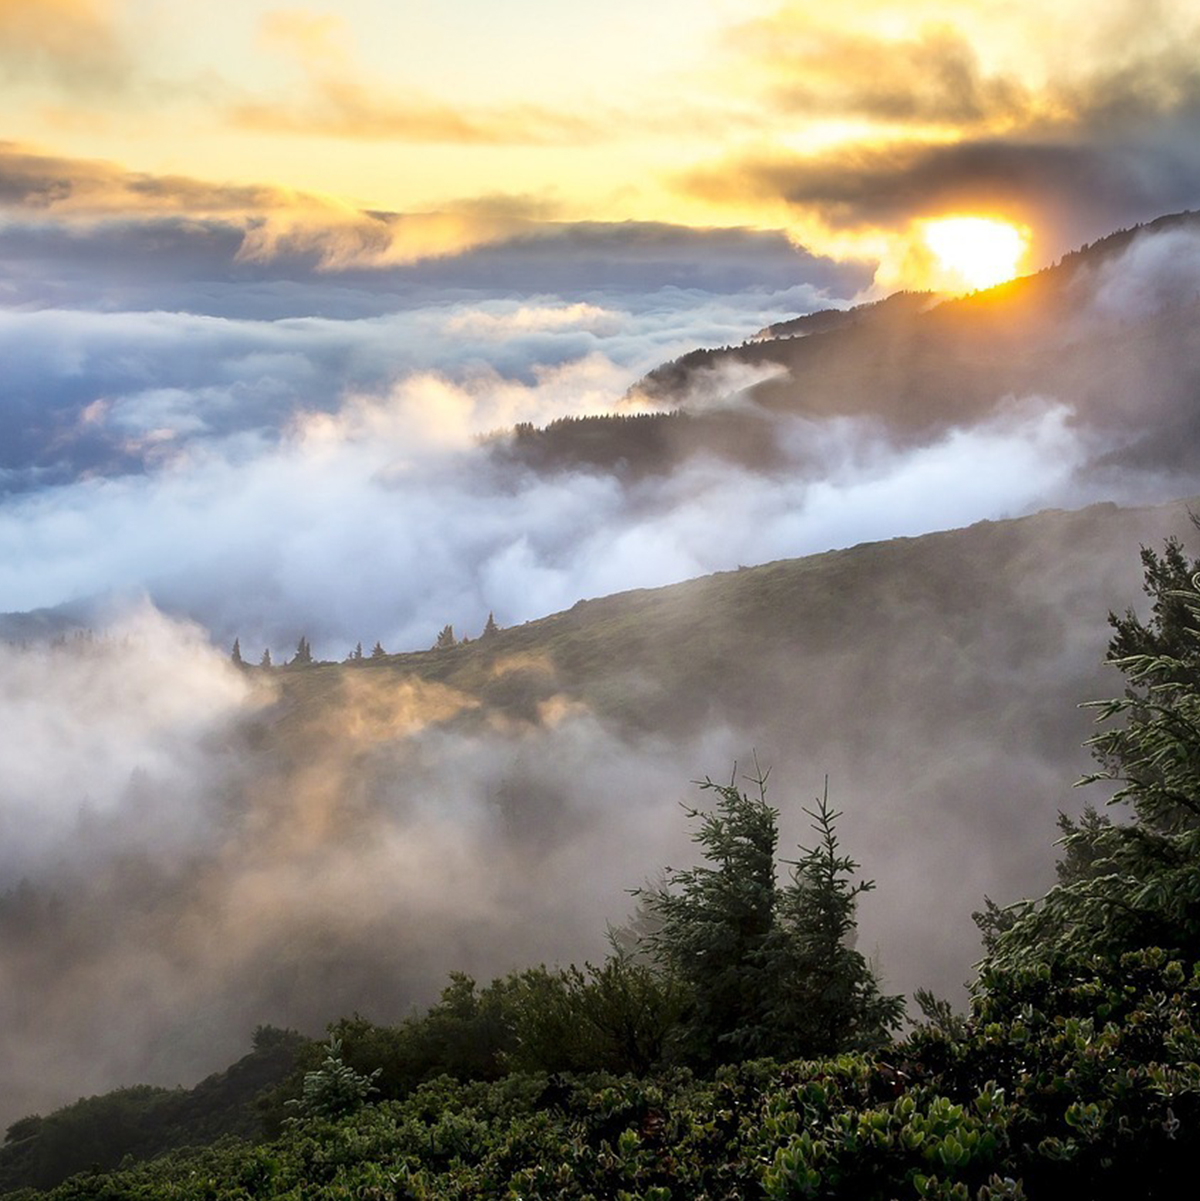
(1131, 369)
(937, 679)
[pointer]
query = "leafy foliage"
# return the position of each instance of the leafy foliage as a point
(1078, 1082)
(144, 1121)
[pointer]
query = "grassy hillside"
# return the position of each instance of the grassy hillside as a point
(936, 679)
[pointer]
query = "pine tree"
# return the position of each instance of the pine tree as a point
(445, 639)
(377, 651)
(358, 652)
(334, 1089)
(769, 971)
(827, 997)
(1126, 885)
(303, 656)
(715, 921)
(265, 661)
(491, 628)
(235, 655)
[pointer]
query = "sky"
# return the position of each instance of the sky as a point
(384, 132)
(271, 277)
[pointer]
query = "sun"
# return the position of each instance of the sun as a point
(978, 251)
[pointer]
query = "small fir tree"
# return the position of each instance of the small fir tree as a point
(377, 651)
(445, 639)
(303, 656)
(491, 628)
(265, 661)
(235, 655)
(335, 1089)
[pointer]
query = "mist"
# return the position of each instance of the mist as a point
(190, 850)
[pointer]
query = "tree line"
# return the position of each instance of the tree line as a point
(303, 656)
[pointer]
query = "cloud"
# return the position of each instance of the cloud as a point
(266, 447)
(200, 858)
(83, 213)
(1067, 190)
(182, 883)
(336, 99)
(74, 43)
(164, 887)
(413, 526)
(343, 108)
(931, 76)
(873, 120)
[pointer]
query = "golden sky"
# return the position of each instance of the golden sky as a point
(846, 125)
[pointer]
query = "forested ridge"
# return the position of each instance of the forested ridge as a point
(735, 1044)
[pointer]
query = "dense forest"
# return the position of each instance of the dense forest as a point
(736, 1044)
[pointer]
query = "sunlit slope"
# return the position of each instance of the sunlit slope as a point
(915, 366)
(1074, 334)
(1001, 623)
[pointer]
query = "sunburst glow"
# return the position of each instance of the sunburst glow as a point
(979, 251)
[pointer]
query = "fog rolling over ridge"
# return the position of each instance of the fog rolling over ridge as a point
(214, 464)
(189, 850)
(295, 845)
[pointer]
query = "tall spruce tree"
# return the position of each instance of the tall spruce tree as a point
(827, 997)
(715, 922)
(1132, 880)
(768, 971)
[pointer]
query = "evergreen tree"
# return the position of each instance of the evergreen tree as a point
(303, 656)
(377, 651)
(491, 628)
(1125, 885)
(445, 639)
(334, 1089)
(768, 971)
(357, 654)
(235, 655)
(715, 923)
(827, 998)
(265, 661)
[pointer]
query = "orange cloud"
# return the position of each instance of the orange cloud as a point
(337, 99)
(342, 108)
(73, 42)
(274, 221)
(931, 76)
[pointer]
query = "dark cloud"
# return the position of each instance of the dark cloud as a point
(1104, 140)
(931, 78)
(70, 216)
(1068, 191)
